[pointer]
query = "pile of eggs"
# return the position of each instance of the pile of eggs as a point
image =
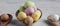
(29, 13)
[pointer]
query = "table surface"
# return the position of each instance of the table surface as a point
(46, 6)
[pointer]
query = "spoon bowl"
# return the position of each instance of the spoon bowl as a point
(20, 11)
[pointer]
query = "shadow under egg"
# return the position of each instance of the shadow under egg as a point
(17, 23)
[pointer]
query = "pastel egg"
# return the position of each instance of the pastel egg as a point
(4, 16)
(36, 15)
(29, 20)
(21, 8)
(21, 16)
(29, 4)
(29, 10)
(54, 17)
(35, 8)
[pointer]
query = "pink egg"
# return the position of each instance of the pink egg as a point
(29, 10)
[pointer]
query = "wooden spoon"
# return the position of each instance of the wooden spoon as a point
(54, 23)
(6, 22)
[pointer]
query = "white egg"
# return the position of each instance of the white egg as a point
(55, 17)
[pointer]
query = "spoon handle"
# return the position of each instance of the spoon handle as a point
(3, 25)
(59, 18)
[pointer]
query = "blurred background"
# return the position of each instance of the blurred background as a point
(46, 6)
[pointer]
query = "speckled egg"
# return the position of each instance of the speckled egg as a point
(29, 10)
(21, 8)
(4, 17)
(29, 20)
(21, 16)
(36, 15)
(54, 17)
(29, 4)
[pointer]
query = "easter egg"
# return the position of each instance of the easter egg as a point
(54, 17)
(4, 16)
(29, 20)
(21, 16)
(29, 4)
(21, 8)
(36, 15)
(29, 10)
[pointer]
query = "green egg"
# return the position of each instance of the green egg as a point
(21, 8)
(29, 4)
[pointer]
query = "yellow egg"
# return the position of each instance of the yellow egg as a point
(21, 16)
(36, 15)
